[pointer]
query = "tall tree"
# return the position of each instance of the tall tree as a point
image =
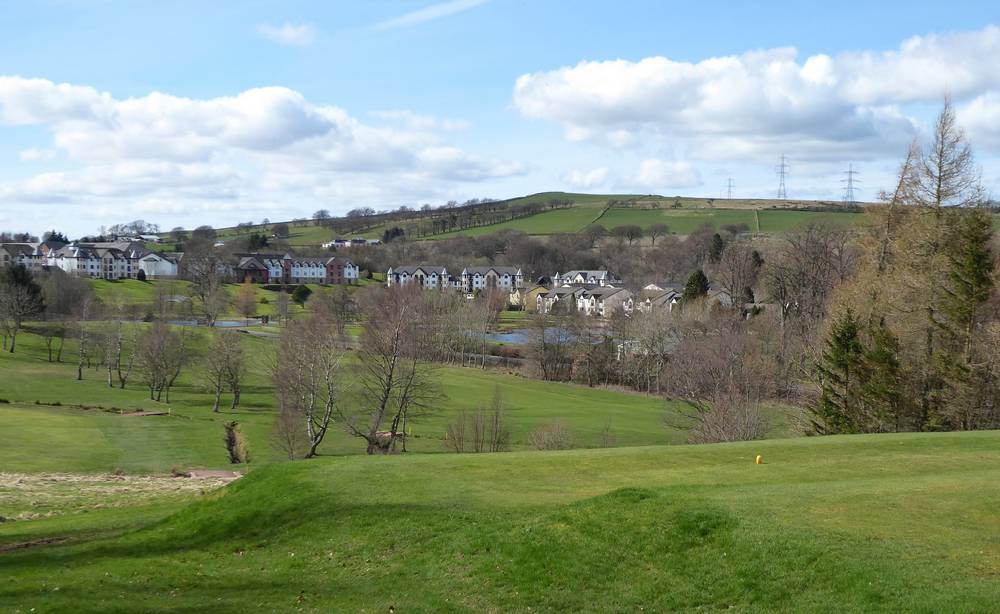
(20, 300)
(840, 369)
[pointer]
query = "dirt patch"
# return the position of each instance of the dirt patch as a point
(145, 413)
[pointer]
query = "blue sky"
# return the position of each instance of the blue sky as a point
(189, 112)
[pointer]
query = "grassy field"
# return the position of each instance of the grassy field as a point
(855, 523)
(55, 423)
(685, 221)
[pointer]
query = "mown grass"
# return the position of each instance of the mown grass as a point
(85, 432)
(858, 523)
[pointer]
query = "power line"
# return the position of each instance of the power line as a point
(850, 184)
(729, 188)
(782, 170)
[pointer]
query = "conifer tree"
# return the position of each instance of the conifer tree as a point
(841, 378)
(696, 286)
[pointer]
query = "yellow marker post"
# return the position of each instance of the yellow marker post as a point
(759, 460)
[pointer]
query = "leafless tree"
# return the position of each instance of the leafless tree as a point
(656, 231)
(721, 377)
(306, 375)
(736, 272)
(281, 306)
(223, 359)
(17, 304)
(205, 267)
(162, 353)
(288, 434)
(394, 383)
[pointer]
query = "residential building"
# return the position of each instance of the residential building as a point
(563, 298)
(285, 269)
(505, 278)
(603, 301)
(526, 298)
(428, 277)
(598, 278)
(657, 299)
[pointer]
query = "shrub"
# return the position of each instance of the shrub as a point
(141, 275)
(552, 436)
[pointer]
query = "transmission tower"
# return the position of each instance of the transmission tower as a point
(782, 170)
(729, 189)
(850, 182)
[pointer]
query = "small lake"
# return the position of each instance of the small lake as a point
(218, 323)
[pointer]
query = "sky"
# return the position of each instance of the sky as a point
(189, 113)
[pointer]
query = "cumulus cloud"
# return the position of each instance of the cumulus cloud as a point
(981, 118)
(415, 121)
(764, 101)
(262, 145)
(586, 179)
(655, 173)
(288, 34)
(429, 13)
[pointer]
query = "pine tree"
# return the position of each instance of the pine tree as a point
(841, 377)
(696, 286)
(970, 284)
(884, 389)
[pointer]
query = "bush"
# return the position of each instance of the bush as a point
(552, 436)
(141, 275)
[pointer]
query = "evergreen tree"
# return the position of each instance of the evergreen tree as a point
(696, 286)
(884, 388)
(970, 284)
(841, 377)
(716, 248)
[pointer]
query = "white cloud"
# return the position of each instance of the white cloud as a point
(414, 121)
(429, 13)
(765, 101)
(655, 173)
(288, 34)
(266, 145)
(981, 118)
(586, 180)
(35, 154)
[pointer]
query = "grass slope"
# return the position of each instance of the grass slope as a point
(68, 437)
(858, 523)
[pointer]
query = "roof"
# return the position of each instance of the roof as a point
(410, 270)
(602, 293)
(500, 270)
(599, 274)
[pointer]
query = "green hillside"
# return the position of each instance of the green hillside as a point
(851, 523)
(54, 422)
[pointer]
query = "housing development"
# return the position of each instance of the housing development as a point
(481, 306)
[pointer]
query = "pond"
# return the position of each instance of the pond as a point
(218, 323)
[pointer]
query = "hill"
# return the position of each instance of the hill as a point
(563, 212)
(850, 523)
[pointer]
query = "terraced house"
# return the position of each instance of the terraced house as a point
(285, 269)
(597, 278)
(428, 277)
(505, 278)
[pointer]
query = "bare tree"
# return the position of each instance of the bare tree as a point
(205, 267)
(394, 383)
(161, 352)
(721, 377)
(20, 300)
(281, 306)
(656, 231)
(736, 272)
(553, 436)
(246, 301)
(223, 358)
(288, 434)
(306, 376)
